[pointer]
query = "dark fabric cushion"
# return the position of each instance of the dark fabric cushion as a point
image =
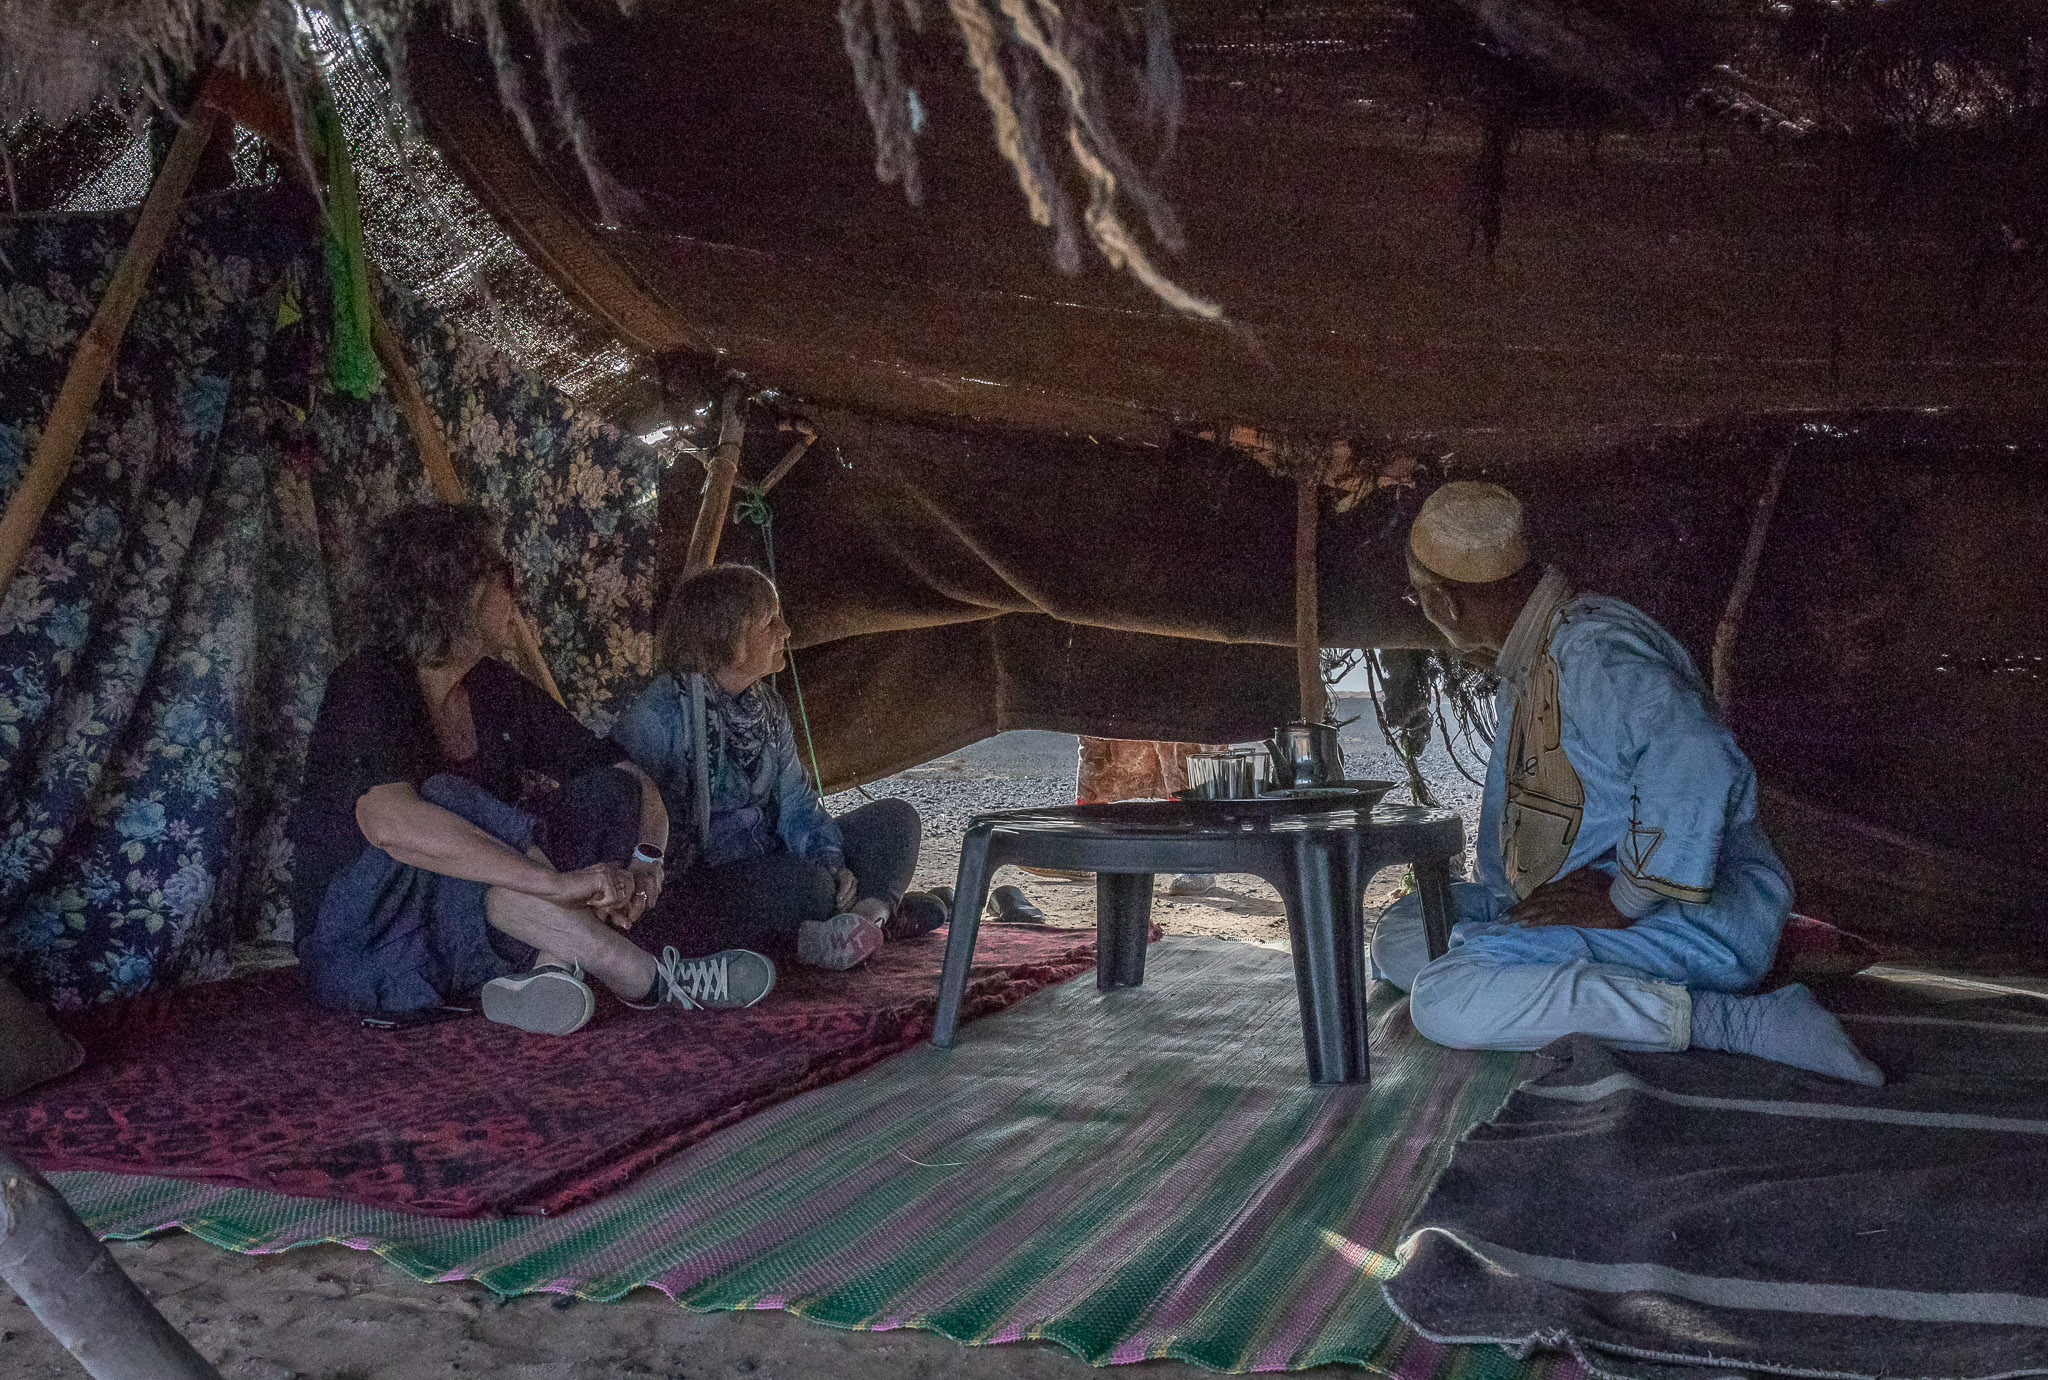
(32, 1050)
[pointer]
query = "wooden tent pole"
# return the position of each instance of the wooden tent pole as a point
(440, 467)
(263, 109)
(790, 457)
(1730, 627)
(72, 1284)
(94, 358)
(718, 482)
(1308, 642)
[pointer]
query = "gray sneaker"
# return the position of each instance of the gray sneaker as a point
(546, 1001)
(842, 942)
(730, 977)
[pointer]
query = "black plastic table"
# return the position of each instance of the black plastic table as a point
(1318, 858)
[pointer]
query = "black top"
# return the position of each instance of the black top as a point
(374, 729)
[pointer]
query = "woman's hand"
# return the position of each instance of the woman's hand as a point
(848, 888)
(604, 887)
(647, 880)
(1579, 901)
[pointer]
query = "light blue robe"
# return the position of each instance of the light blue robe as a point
(1669, 811)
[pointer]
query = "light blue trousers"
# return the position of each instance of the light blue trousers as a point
(1469, 1000)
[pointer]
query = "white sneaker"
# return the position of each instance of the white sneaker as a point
(839, 943)
(1191, 884)
(730, 977)
(546, 1001)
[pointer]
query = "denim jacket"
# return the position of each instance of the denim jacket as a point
(772, 809)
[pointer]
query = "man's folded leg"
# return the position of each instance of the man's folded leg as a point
(1400, 945)
(1468, 1000)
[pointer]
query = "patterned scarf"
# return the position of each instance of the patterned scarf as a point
(739, 727)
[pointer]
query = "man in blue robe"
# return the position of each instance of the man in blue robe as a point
(1625, 889)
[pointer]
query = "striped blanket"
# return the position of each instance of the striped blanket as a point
(1677, 1215)
(1143, 1173)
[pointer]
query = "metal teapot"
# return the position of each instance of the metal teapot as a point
(1305, 755)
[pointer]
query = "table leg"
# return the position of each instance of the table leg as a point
(1433, 888)
(970, 894)
(1123, 925)
(1326, 925)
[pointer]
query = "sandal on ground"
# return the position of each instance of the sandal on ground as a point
(1011, 904)
(919, 912)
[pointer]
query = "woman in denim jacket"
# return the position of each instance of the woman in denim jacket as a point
(759, 855)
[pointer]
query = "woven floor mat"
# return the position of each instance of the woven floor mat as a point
(1146, 1173)
(247, 1084)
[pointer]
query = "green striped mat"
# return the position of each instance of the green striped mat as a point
(1141, 1174)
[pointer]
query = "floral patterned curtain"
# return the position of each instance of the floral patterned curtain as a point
(164, 647)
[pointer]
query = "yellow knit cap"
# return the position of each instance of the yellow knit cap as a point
(1470, 532)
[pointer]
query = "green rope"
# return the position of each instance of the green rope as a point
(754, 508)
(352, 358)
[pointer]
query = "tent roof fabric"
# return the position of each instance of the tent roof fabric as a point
(1663, 281)
(1690, 202)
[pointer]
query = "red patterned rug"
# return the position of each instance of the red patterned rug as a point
(246, 1083)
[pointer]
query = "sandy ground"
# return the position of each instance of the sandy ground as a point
(331, 1313)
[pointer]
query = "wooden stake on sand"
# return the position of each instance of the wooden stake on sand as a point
(80, 393)
(440, 467)
(718, 482)
(1308, 641)
(73, 1286)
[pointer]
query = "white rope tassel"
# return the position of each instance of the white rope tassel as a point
(979, 31)
(869, 33)
(1105, 227)
(1113, 238)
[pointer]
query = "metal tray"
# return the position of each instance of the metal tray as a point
(1352, 795)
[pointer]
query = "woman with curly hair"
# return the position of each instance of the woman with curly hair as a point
(418, 877)
(767, 866)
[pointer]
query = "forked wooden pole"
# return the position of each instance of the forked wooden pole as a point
(262, 109)
(718, 482)
(73, 1286)
(440, 467)
(76, 399)
(1308, 641)
(790, 457)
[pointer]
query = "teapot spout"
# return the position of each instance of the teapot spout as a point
(1279, 766)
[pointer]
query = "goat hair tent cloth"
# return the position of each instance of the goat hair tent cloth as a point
(1679, 1216)
(247, 1083)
